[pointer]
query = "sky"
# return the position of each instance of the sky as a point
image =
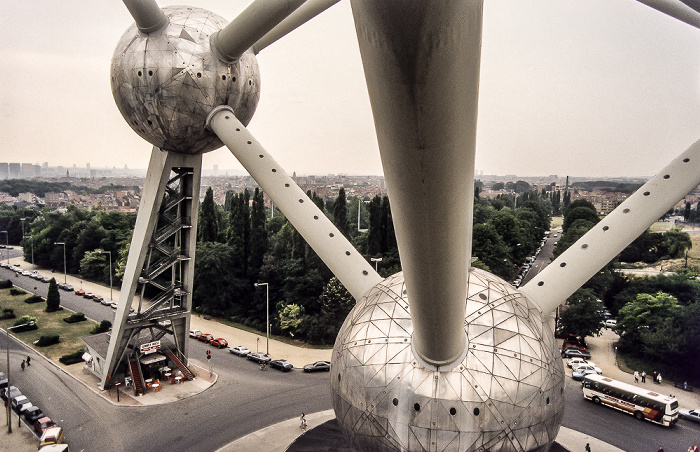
(601, 88)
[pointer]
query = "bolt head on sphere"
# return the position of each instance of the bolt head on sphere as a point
(166, 82)
(507, 394)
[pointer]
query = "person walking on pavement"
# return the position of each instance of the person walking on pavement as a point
(636, 376)
(653, 380)
(658, 378)
(29, 361)
(644, 377)
(588, 447)
(22, 365)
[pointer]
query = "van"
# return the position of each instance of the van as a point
(20, 403)
(52, 435)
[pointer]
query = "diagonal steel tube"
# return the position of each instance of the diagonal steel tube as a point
(147, 15)
(306, 12)
(676, 9)
(251, 25)
(356, 274)
(619, 228)
(421, 62)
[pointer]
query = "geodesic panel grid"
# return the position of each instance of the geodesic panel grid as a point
(506, 395)
(165, 83)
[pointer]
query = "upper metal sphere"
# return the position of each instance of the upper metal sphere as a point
(166, 82)
(506, 395)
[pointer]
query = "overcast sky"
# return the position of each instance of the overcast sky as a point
(568, 87)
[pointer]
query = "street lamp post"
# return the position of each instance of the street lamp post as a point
(32, 239)
(110, 272)
(65, 273)
(267, 324)
(7, 250)
(376, 260)
(22, 220)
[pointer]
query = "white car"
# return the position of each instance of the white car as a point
(588, 366)
(571, 361)
(195, 333)
(239, 350)
(610, 323)
(691, 415)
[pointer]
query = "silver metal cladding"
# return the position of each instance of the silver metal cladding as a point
(166, 82)
(506, 395)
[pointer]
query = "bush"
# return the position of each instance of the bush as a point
(5, 283)
(33, 299)
(24, 319)
(104, 326)
(72, 358)
(24, 325)
(74, 318)
(8, 313)
(16, 291)
(49, 339)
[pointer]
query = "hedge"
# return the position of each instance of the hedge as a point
(74, 318)
(33, 299)
(5, 283)
(16, 291)
(72, 358)
(8, 313)
(49, 339)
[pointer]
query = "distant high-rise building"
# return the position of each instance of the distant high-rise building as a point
(4, 171)
(15, 170)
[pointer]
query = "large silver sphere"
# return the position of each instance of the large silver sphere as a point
(506, 395)
(165, 83)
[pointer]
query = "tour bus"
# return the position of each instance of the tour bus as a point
(642, 403)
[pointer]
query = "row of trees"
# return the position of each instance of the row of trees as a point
(243, 242)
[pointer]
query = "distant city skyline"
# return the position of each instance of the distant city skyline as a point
(589, 89)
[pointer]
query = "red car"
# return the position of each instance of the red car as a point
(42, 424)
(206, 337)
(219, 342)
(80, 292)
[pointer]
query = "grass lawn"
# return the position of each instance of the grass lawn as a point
(48, 323)
(556, 222)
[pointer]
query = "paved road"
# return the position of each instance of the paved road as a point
(245, 400)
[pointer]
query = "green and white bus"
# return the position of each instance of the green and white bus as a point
(642, 403)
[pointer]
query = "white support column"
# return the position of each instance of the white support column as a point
(553, 285)
(356, 274)
(157, 176)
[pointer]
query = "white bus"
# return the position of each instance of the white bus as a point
(642, 403)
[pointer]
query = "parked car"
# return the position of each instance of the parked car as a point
(42, 424)
(318, 366)
(66, 287)
(571, 361)
(691, 415)
(113, 305)
(282, 364)
(590, 364)
(80, 292)
(206, 337)
(52, 435)
(259, 357)
(3, 381)
(219, 342)
(33, 413)
(581, 373)
(575, 353)
(105, 302)
(239, 350)
(13, 392)
(573, 343)
(610, 323)
(88, 295)
(195, 333)
(98, 299)
(20, 403)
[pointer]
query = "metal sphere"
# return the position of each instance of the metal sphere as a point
(166, 82)
(506, 395)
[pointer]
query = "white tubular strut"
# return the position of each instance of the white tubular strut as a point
(618, 229)
(356, 274)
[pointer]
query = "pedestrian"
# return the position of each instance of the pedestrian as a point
(636, 376)
(588, 447)
(661, 449)
(658, 378)
(653, 380)
(685, 387)
(29, 360)
(694, 448)
(644, 377)
(22, 365)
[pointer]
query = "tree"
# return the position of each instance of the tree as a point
(208, 226)
(94, 266)
(490, 248)
(292, 319)
(258, 234)
(53, 298)
(583, 315)
(340, 213)
(640, 319)
(336, 303)
(580, 209)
